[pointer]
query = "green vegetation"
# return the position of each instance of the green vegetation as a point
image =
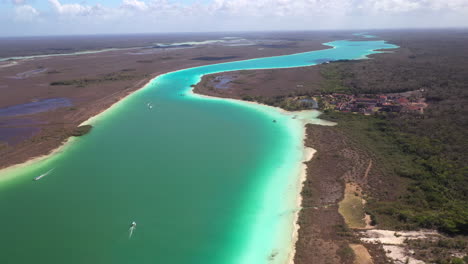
(352, 208)
(3, 145)
(440, 251)
(333, 82)
(427, 155)
(289, 102)
(346, 253)
(437, 188)
(115, 76)
(81, 130)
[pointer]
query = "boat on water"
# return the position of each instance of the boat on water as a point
(42, 175)
(131, 229)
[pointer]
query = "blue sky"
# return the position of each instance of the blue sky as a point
(65, 17)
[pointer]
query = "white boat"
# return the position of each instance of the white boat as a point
(130, 230)
(42, 175)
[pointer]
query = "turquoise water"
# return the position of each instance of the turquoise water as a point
(207, 180)
(364, 35)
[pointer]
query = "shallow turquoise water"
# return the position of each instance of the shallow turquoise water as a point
(364, 35)
(206, 180)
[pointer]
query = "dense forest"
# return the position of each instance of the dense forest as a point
(430, 150)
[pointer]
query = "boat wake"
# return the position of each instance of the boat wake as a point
(131, 229)
(43, 175)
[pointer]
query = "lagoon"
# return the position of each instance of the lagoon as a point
(207, 180)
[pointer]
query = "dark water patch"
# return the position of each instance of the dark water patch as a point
(222, 82)
(18, 122)
(13, 131)
(35, 107)
(207, 58)
(14, 135)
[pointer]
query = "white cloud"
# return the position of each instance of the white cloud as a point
(456, 5)
(281, 7)
(75, 9)
(259, 8)
(391, 6)
(25, 13)
(218, 15)
(134, 5)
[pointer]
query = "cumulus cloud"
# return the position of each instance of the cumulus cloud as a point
(219, 15)
(261, 8)
(336, 7)
(391, 6)
(25, 13)
(74, 9)
(456, 5)
(134, 5)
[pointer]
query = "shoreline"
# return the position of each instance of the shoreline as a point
(307, 155)
(67, 143)
(299, 171)
(40, 157)
(300, 175)
(117, 74)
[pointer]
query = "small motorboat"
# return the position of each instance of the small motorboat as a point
(131, 229)
(39, 177)
(42, 175)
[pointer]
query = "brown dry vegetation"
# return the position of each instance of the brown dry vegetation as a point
(93, 82)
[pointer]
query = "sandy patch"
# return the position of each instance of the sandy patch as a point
(352, 207)
(388, 237)
(393, 243)
(362, 255)
(307, 156)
